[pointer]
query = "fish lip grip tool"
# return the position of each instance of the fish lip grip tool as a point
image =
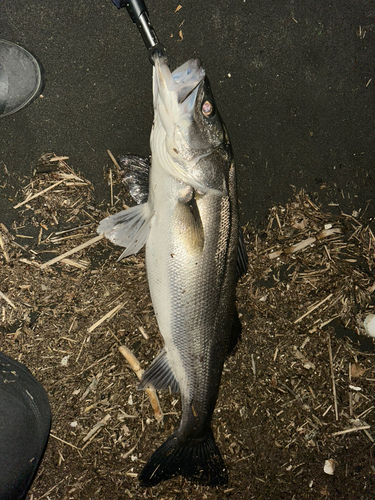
(139, 15)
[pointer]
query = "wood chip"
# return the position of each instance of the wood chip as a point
(97, 427)
(313, 308)
(333, 377)
(150, 391)
(7, 300)
(72, 251)
(39, 194)
(109, 314)
(352, 429)
(75, 263)
(356, 370)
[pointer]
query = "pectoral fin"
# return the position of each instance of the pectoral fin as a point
(189, 223)
(129, 228)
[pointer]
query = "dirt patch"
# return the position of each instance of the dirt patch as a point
(293, 396)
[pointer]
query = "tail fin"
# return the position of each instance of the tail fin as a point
(198, 460)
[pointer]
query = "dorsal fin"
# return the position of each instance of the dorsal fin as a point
(136, 172)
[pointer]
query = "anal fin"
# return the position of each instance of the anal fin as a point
(159, 375)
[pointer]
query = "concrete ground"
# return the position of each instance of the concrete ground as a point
(294, 82)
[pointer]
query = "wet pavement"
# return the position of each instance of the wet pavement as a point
(294, 82)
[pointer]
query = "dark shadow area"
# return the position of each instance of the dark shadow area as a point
(293, 82)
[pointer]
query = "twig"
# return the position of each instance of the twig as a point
(97, 427)
(366, 412)
(328, 321)
(95, 363)
(50, 490)
(111, 184)
(311, 203)
(81, 349)
(74, 263)
(332, 377)
(290, 390)
(73, 229)
(59, 158)
(136, 367)
(113, 159)
(2, 246)
(304, 243)
(65, 442)
(350, 392)
(253, 367)
(313, 308)
(92, 386)
(278, 223)
(109, 314)
(3, 296)
(352, 429)
(368, 435)
(72, 176)
(142, 330)
(72, 251)
(129, 452)
(39, 194)
(64, 238)
(30, 262)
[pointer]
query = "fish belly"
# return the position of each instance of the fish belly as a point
(191, 290)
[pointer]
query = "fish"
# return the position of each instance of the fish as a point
(187, 218)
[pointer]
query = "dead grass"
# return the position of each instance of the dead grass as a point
(298, 391)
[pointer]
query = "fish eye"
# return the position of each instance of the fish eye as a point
(207, 108)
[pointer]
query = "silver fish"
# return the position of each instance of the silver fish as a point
(194, 256)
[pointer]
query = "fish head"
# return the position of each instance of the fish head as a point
(207, 130)
(187, 124)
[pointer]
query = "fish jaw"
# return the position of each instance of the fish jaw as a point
(175, 93)
(174, 99)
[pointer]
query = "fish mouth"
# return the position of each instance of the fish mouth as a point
(178, 89)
